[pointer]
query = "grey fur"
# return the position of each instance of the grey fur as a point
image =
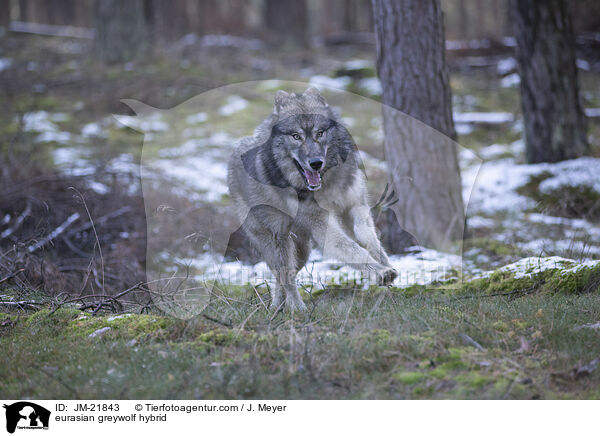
(285, 207)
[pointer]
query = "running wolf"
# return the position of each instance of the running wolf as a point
(297, 184)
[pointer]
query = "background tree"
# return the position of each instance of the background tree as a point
(121, 30)
(555, 125)
(286, 21)
(4, 13)
(423, 163)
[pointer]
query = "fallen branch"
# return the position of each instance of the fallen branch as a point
(10, 276)
(23, 305)
(6, 233)
(57, 232)
(468, 340)
(100, 221)
(105, 300)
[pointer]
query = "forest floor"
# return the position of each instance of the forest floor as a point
(449, 328)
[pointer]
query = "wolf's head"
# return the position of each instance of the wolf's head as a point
(306, 141)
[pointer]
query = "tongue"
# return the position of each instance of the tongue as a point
(313, 177)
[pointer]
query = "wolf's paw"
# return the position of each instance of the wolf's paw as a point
(387, 276)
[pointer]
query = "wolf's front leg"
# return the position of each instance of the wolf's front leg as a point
(364, 231)
(337, 244)
(280, 255)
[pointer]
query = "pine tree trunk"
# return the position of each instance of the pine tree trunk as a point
(4, 14)
(287, 22)
(121, 31)
(421, 157)
(554, 122)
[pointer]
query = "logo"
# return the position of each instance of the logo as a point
(26, 415)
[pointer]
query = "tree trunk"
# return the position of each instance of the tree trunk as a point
(418, 125)
(554, 123)
(4, 14)
(121, 31)
(287, 21)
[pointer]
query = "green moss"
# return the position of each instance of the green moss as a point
(473, 380)
(567, 201)
(224, 337)
(355, 73)
(127, 325)
(582, 280)
(409, 377)
(439, 372)
(45, 322)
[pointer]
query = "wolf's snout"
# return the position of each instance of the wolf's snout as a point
(316, 164)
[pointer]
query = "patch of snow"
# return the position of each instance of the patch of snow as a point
(372, 162)
(546, 219)
(511, 81)
(100, 332)
(72, 161)
(348, 121)
(233, 104)
(39, 121)
(464, 128)
(112, 318)
(495, 186)
(149, 123)
(206, 176)
(200, 117)
(506, 66)
(5, 63)
(321, 82)
(91, 129)
(582, 172)
(483, 117)
(582, 64)
(98, 187)
(231, 41)
(60, 137)
(545, 246)
(357, 64)
(421, 267)
(477, 222)
(594, 326)
(372, 85)
(530, 266)
(592, 112)
(494, 151)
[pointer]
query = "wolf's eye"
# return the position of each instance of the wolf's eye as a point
(319, 133)
(296, 136)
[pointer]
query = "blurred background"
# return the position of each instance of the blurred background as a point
(72, 215)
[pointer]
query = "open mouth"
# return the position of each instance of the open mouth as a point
(312, 178)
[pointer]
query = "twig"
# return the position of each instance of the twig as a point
(468, 340)
(31, 305)
(58, 231)
(100, 221)
(6, 233)
(259, 297)
(10, 276)
(218, 321)
(97, 305)
(95, 233)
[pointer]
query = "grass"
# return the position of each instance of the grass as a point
(353, 345)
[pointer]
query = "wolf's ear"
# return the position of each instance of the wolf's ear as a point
(312, 92)
(315, 94)
(281, 99)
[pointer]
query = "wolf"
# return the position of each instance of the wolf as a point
(296, 184)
